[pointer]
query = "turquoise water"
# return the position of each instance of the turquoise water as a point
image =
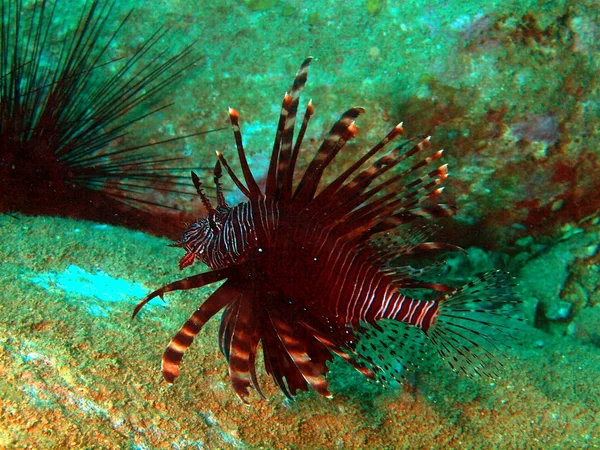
(509, 90)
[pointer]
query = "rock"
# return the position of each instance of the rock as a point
(560, 310)
(586, 326)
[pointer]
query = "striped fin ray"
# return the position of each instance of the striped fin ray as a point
(360, 182)
(192, 282)
(274, 162)
(414, 240)
(226, 328)
(255, 191)
(477, 324)
(312, 370)
(429, 212)
(440, 172)
(288, 181)
(217, 173)
(185, 336)
(341, 132)
(310, 110)
(367, 217)
(421, 191)
(205, 201)
(232, 175)
(273, 174)
(352, 195)
(324, 196)
(240, 353)
(381, 166)
(406, 196)
(339, 349)
(279, 365)
(253, 348)
(285, 156)
(243, 344)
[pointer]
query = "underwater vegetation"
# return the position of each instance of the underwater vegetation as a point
(65, 112)
(311, 273)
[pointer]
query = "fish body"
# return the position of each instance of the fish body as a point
(310, 271)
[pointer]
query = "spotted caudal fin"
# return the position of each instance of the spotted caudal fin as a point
(470, 328)
(476, 324)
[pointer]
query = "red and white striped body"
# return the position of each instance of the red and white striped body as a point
(304, 275)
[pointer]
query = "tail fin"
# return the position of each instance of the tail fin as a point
(474, 327)
(476, 324)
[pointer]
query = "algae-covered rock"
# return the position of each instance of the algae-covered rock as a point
(374, 6)
(587, 326)
(555, 282)
(260, 5)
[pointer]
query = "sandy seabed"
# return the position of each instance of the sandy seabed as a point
(75, 371)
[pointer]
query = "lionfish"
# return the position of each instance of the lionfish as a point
(309, 273)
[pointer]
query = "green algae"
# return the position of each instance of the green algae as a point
(288, 11)
(374, 6)
(260, 5)
(313, 18)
